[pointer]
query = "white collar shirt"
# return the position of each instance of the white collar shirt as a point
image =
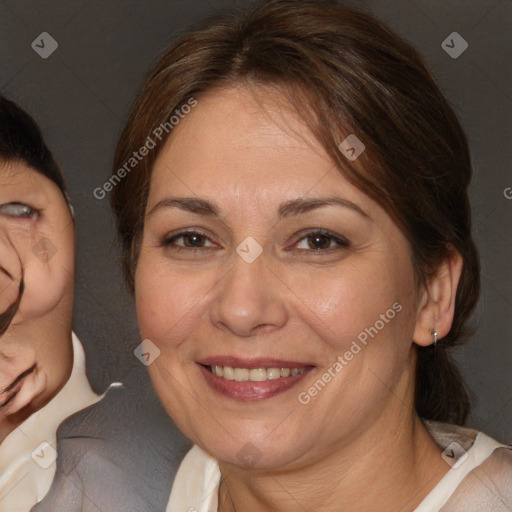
(28, 454)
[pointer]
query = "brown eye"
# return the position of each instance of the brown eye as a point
(188, 240)
(321, 241)
(193, 240)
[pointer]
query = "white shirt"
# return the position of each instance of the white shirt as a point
(196, 485)
(28, 453)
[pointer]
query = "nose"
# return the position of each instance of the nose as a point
(249, 300)
(11, 280)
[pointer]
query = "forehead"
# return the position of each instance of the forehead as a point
(16, 171)
(244, 138)
(20, 182)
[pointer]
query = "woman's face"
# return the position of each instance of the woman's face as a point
(37, 250)
(261, 260)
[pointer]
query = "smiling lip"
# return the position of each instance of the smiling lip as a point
(9, 392)
(246, 391)
(260, 362)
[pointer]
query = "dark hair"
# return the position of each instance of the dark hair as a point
(21, 139)
(344, 72)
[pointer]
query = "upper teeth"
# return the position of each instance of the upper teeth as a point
(254, 374)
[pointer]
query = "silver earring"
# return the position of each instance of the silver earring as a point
(434, 335)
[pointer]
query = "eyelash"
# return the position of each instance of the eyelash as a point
(28, 212)
(342, 242)
(169, 242)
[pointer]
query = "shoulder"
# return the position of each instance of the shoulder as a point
(127, 440)
(483, 478)
(481, 474)
(487, 487)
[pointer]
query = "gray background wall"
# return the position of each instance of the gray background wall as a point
(80, 96)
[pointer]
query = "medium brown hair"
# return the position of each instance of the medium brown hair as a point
(344, 72)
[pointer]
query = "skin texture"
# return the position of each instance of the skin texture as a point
(37, 245)
(248, 154)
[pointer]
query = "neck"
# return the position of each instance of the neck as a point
(392, 465)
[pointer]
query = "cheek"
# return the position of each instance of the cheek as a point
(340, 304)
(167, 301)
(48, 276)
(45, 259)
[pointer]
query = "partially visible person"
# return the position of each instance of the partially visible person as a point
(42, 364)
(95, 461)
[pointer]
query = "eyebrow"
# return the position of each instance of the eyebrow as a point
(304, 205)
(189, 204)
(286, 209)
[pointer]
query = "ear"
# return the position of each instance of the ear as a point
(437, 301)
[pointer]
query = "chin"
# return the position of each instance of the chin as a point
(250, 448)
